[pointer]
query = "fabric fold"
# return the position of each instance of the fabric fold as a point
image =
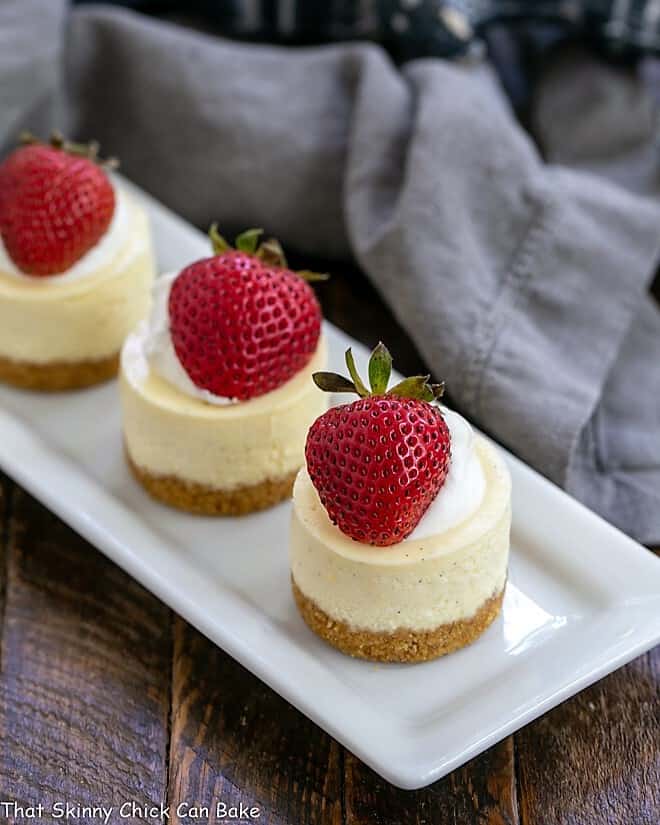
(517, 280)
(615, 468)
(31, 36)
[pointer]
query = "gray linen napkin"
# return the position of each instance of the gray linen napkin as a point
(31, 33)
(523, 283)
(605, 120)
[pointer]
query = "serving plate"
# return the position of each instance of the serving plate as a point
(582, 599)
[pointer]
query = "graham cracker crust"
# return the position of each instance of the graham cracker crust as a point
(211, 501)
(402, 645)
(58, 375)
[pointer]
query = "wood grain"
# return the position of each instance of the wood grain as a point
(84, 684)
(234, 740)
(596, 758)
(5, 496)
(482, 791)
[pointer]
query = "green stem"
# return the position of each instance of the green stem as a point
(380, 368)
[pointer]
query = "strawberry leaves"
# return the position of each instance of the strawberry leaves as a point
(331, 382)
(90, 150)
(417, 387)
(380, 369)
(249, 240)
(218, 242)
(359, 387)
(269, 252)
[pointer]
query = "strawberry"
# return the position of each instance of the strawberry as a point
(55, 204)
(378, 463)
(241, 322)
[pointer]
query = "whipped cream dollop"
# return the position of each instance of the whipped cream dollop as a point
(100, 255)
(159, 349)
(463, 490)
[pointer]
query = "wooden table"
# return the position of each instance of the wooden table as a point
(107, 697)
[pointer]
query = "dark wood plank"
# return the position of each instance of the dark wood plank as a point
(482, 792)
(596, 758)
(5, 497)
(235, 741)
(85, 678)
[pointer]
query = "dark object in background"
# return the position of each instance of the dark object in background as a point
(418, 28)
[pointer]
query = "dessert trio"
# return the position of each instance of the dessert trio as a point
(399, 538)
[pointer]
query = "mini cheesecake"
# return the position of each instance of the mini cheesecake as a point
(62, 326)
(431, 591)
(190, 440)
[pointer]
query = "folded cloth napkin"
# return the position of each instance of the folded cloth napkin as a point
(524, 283)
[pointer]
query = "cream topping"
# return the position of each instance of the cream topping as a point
(98, 257)
(461, 494)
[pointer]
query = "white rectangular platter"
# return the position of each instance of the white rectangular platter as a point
(582, 599)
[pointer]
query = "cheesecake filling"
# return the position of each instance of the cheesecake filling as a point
(97, 258)
(224, 446)
(420, 583)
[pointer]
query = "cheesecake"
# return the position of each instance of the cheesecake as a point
(216, 388)
(74, 280)
(369, 577)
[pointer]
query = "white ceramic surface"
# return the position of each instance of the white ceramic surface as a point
(582, 599)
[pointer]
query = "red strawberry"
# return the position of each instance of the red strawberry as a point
(55, 204)
(243, 324)
(378, 463)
